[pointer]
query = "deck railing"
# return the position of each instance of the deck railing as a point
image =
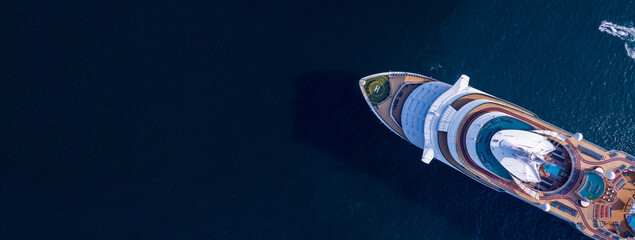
(590, 153)
(398, 74)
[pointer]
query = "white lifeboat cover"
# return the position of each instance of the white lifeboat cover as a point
(521, 152)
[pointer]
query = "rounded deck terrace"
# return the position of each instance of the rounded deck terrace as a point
(593, 186)
(553, 175)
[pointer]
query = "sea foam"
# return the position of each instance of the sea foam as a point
(625, 33)
(630, 51)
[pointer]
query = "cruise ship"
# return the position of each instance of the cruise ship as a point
(509, 149)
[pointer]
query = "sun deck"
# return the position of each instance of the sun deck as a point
(611, 210)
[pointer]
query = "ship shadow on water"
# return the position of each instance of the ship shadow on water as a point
(331, 115)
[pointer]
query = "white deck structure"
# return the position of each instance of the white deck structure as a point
(521, 152)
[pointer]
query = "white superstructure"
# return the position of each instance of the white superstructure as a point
(521, 152)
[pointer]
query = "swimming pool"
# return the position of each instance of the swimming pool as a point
(593, 186)
(553, 169)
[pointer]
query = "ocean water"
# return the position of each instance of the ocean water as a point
(243, 120)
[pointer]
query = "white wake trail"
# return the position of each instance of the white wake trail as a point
(625, 33)
(622, 32)
(630, 51)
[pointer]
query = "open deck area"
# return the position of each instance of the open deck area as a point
(386, 93)
(612, 210)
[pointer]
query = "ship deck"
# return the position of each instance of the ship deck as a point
(396, 93)
(585, 156)
(604, 217)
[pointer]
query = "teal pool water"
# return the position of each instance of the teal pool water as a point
(483, 141)
(593, 186)
(552, 169)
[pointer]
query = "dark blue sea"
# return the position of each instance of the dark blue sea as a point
(244, 120)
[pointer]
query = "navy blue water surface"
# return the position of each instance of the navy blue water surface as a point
(244, 120)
